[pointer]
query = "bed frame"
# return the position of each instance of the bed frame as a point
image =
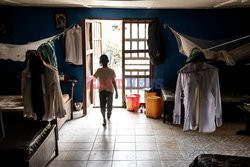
(40, 157)
(44, 153)
(49, 146)
(68, 107)
(230, 99)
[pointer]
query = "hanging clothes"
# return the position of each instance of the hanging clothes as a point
(47, 51)
(199, 83)
(32, 85)
(47, 94)
(155, 47)
(74, 45)
(52, 94)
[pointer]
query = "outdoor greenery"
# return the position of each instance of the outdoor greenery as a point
(113, 50)
(112, 47)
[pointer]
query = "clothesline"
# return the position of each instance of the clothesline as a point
(235, 40)
(63, 33)
(17, 52)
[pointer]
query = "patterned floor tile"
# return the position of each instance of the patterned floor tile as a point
(131, 139)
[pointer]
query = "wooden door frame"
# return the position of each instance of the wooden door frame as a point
(146, 20)
(84, 48)
(123, 61)
(84, 100)
(84, 72)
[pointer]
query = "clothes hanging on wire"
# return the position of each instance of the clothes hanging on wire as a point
(155, 44)
(32, 85)
(74, 45)
(44, 94)
(17, 52)
(199, 83)
(52, 94)
(47, 51)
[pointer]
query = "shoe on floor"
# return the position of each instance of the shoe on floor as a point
(108, 116)
(104, 122)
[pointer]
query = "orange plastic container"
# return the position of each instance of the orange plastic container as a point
(133, 102)
(154, 107)
(149, 94)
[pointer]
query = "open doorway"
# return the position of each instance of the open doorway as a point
(111, 45)
(125, 42)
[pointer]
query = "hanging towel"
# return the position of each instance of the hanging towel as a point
(47, 51)
(74, 45)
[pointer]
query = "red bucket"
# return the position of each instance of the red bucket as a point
(133, 102)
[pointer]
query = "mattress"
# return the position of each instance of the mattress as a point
(23, 137)
(235, 96)
(13, 103)
(229, 96)
(216, 160)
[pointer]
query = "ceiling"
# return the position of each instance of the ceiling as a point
(144, 4)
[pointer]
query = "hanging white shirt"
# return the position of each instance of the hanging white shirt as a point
(200, 85)
(52, 94)
(74, 45)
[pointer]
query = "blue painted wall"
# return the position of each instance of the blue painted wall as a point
(31, 24)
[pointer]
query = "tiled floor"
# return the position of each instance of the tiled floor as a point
(130, 139)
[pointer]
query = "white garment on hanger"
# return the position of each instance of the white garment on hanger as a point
(74, 45)
(199, 79)
(52, 94)
(26, 92)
